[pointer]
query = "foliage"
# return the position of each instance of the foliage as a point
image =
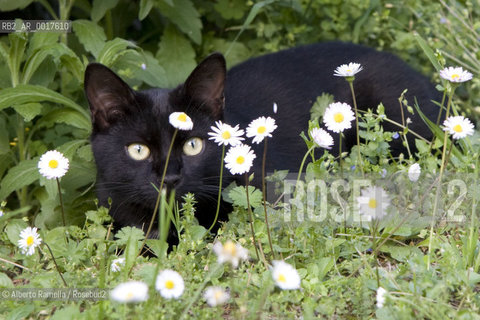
(157, 43)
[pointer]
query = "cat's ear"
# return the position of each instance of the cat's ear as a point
(109, 97)
(206, 83)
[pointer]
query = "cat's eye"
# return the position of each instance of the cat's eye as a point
(193, 146)
(138, 151)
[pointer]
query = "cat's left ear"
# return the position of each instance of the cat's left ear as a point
(206, 83)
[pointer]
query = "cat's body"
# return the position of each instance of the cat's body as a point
(292, 79)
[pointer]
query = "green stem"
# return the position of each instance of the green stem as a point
(219, 198)
(440, 176)
(264, 191)
(350, 82)
(303, 163)
(340, 159)
(157, 203)
(56, 265)
(254, 240)
(61, 202)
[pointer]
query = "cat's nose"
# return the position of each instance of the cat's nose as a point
(171, 180)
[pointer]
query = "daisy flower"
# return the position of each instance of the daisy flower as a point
(285, 275)
(226, 134)
(348, 70)
(380, 297)
(458, 126)
(53, 165)
(29, 240)
(239, 159)
(455, 74)
(230, 252)
(180, 120)
(260, 128)
(338, 117)
(216, 296)
(322, 138)
(170, 284)
(131, 291)
(414, 172)
(117, 264)
(373, 202)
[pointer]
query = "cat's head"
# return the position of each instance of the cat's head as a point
(132, 135)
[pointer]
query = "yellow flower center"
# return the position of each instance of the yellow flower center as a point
(30, 240)
(372, 203)
(458, 128)
(182, 117)
(338, 117)
(129, 295)
(261, 129)
(218, 295)
(348, 70)
(240, 159)
(230, 248)
(53, 164)
(455, 76)
(169, 284)
(282, 278)
(226, 135)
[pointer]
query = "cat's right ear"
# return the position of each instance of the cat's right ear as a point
(109, 97)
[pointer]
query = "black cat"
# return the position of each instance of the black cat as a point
(131, 133)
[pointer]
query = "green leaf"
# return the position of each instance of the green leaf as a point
(184, 15)
(5, 281)
(30, 93)
(4, 138)
(127, 233)
(153, 74)
(318, 108)
(20, 313)
(231, 9)
(100, 7)
(90, 35)
(112, 50)
(8, 5)
(29, 110)
(70, 148)
(67, 116)
(13, 230)
(176, 55)
(18, 43)
(41, 40)
(145, 8)
(197, 232)
(23, 174)
(428, 51)
(239, 197)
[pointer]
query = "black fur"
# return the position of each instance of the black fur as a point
(292, 79)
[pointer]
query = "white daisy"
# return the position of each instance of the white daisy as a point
(226, 134)
(414, 172)
(180, 120)
(260, 128)
(53, 165)
(373, 202)
(322, 138)
(285, 275)
(338, 117)
(29, 240)
(455, 74)
(216, 296)
(380, 297)
(131, 291)
(275, 107)
(230, 252)
(170, 284)
(239, 159)
(348, 70)
(117, 264)
(458, 126)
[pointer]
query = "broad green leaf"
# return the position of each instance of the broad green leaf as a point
(29, 93)
(5, 281)
(67, 116)
(8, 5)
(18, 43)
(145, 8)
(21, 312)
(70, 148)
(239, 197)
(238, 53)
(90, 35)
(41, 40)
(126, 233)
(29, 110)
(319, 107)
(13, 229)
(23, 174)
(100, 7)
(231, 9)
(184, 15)
(176, 55)
(112, 50)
